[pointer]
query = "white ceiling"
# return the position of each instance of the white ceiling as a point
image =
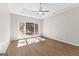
(27, 8)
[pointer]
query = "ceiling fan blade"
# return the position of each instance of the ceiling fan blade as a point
(41, 11)
(45, 11)
(35, 11)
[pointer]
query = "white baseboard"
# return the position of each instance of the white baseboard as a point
(63, 41)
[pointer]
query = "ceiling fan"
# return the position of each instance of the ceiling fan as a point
(41, 11)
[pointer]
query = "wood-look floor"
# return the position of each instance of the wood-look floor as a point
(49, 47)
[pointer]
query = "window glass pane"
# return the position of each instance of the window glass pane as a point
(36, 28)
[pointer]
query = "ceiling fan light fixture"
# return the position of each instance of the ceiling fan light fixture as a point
(40, 13)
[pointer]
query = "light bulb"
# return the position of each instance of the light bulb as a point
(40, 13)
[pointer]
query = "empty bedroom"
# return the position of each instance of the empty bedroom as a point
(39, 29)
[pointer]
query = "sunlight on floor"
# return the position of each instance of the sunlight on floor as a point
(39, 38)
(29, 41)
(21, 43)
(32, 40)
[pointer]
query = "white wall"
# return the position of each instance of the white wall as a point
(63, 27)
(14, 24)
(4, 27)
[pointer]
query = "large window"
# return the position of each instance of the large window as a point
(28, 28)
